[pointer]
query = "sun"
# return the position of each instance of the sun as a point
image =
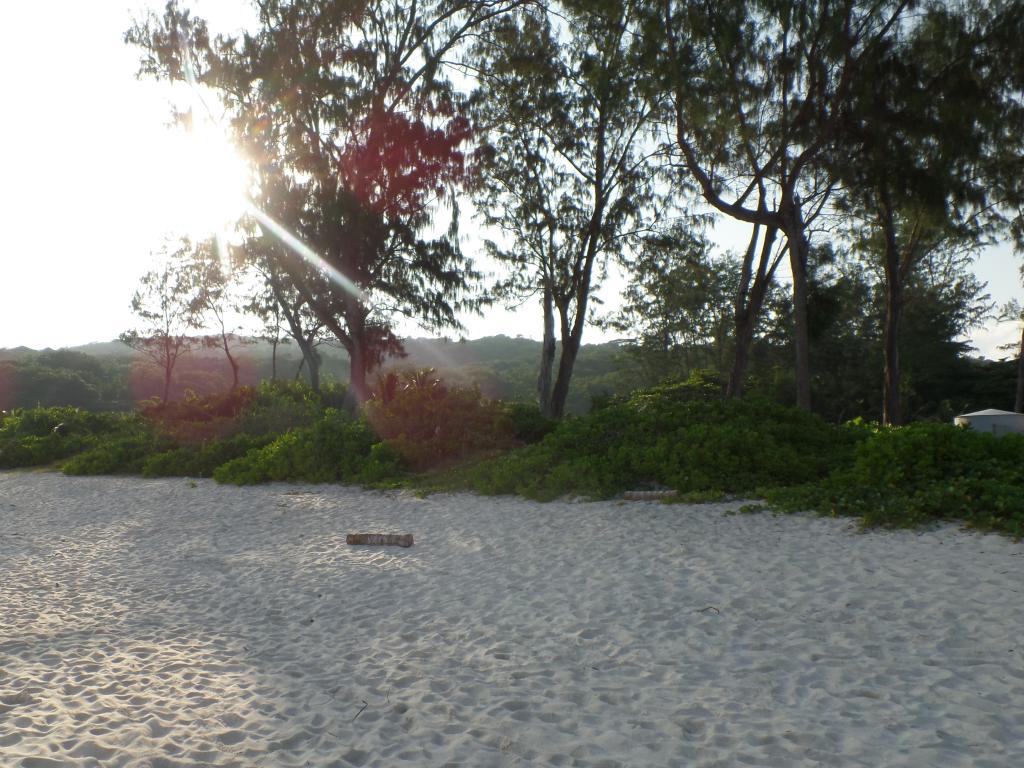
(210, 182)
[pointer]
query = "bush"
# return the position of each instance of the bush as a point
(524, 422)
(680, 436)
(909, 475)
(40, 422)
(280, 406)
(335, 448)
(201, 460)
(197, 418)
(32, 451)
(41, 436)
(430, 424)
(118, 455)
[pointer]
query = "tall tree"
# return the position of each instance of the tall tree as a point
(565, 180)
(1012, 311)
(346, 112)
(283, 306)
(1018, 399)
(214, 301)
(754, 93)
(163, 302)
(923, 151)
(677, 305)
(749, 298)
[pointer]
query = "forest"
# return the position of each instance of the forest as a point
(871, 149)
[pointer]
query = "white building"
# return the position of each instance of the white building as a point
(993, 421)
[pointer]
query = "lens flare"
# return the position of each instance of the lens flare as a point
(303, 250)
(227, 177)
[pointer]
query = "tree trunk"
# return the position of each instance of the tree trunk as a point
(891, 411)
(572, 335)
(799, 250)
(231, 360)
(167, 384)
(354, 341)
(566, 361)
(313, 364)
(311, 359)
(273, 360)
(359, 360)
(1018, 403)
(571, 338)
(741, 355)
(168, 368)
(358, 390)
(547, 357)
(748, 306)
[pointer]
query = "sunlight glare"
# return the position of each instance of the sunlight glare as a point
(212, 185)
(294, 244)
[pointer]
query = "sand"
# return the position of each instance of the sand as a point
(170, 623)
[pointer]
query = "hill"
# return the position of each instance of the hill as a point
(111, 376)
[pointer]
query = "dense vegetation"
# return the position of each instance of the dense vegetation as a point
(107, 377)
(590, 136)
(416, 431)
(941, 379)
(610, 134)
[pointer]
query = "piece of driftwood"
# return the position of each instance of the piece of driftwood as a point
(647, 495)
(380, 539)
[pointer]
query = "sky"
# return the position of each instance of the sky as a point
(95, 179)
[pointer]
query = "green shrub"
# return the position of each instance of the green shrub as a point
(33, 451)
(193, 407)
(198, 418)
(200, 460)
(117, 455)
(41, 436)
(281, 406)
(909, 475)
(335, 448)
(384, 464)
(523, 422)
(680, 435)
(40, 422)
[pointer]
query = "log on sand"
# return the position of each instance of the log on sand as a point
(379, 539)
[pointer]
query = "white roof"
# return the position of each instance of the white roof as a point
(990, 412)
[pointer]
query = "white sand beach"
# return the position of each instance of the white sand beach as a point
(169, 623)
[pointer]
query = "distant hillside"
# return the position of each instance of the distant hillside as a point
(111, 376)
(16, 353)
(105, 349)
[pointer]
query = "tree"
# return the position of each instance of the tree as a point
(845, 336)
(281, 301)
(1013, 312)
(754, 93)
(265, 307)
(1018, 399)
(214, 299)
(922, 152)
(678, 305)
(563, 177)
(942, 301)
(750, 295)
(163, 303)
(356, 133)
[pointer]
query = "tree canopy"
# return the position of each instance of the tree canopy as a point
(872, 147)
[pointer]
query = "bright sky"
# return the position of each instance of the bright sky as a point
(94, 180)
